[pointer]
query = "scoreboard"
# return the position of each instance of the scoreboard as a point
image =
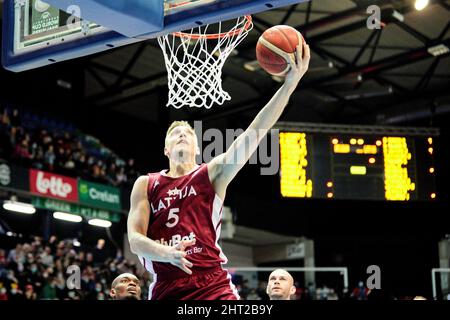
(357, 162)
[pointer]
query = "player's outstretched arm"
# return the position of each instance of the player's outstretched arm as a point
(137, 225)
(224, 168)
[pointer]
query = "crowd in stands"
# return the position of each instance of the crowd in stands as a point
(42, 270)
(38, 270)
(36, 142)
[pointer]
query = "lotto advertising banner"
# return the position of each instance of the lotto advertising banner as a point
(51, 185)
(99, 195)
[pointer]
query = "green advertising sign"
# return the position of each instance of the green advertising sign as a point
(87, 212)
(43, 17)
(99, 195)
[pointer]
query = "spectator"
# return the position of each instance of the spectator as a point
(46, 257)
(333, 295)
(244, 290)
(2, 258)
(69, 165)
(15, 294)
(37, 158)
(100, 253)
(253, 295)
(52, 243)
(15, 118)
(22, 153)
(60, 286)
(34, 275)
(126, 287)
(261, 290)
(299, 292)
(50, 158)
(121, 177)
(111, 175)
(3, 293)
(46, 138)
(5, 120)
(29, 292)
(311, 291)
(16, 255)
(131, 170)
(49, 289)
(280, 285)
(96, 173)
(89, 259)
(61, 159)
(360, 292)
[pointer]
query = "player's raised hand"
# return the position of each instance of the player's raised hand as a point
(299, 65)
(177, 255)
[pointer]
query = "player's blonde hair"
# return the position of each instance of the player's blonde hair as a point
(178, 124)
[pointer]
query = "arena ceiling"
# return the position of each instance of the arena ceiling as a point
(356, 75)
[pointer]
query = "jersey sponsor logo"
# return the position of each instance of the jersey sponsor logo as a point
(176, 239)
(173, 194)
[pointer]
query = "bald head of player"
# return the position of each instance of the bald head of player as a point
(125, 287)
(280, 285)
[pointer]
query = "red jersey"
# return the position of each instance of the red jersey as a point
(184, 208)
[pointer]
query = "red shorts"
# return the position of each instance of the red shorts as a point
(210, 284)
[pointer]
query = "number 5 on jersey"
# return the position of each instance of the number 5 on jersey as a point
(174, 217)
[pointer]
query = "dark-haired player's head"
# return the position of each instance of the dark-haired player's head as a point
(125, 287)
(280, 285)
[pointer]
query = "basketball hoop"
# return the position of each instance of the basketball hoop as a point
(194, 62)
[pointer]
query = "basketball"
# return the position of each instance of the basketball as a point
(276, 47)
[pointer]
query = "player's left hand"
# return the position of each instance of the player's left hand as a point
(177, 255)
(299, 65)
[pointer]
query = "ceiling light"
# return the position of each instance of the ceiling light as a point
(19, 207)
(438, 50)
(397, 15)
(421, 4)
(100, 223)
(67, 217)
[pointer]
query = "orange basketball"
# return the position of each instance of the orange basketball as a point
(276, 47)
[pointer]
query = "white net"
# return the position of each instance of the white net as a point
(194, 62)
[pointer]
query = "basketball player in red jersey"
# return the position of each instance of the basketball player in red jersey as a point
(175, 215)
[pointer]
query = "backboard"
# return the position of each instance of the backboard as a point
(37, 33)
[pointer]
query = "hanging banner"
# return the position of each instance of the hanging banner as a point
(99, 195)
(51, 185)
(87, 212)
